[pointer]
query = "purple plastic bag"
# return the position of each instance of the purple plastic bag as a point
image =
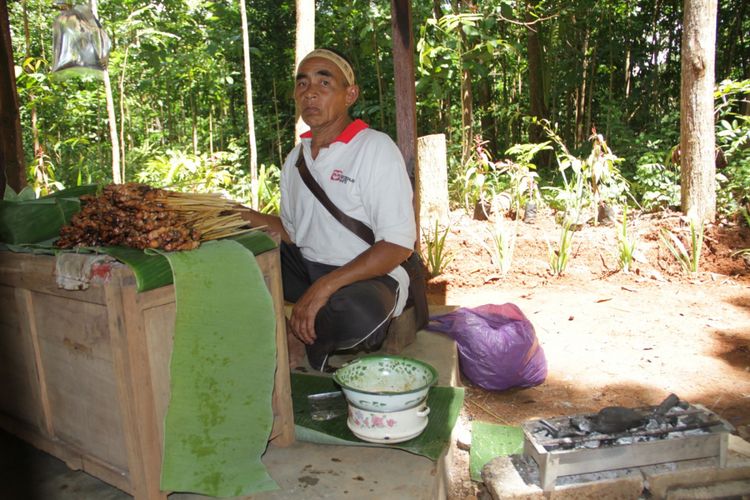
(497, 346)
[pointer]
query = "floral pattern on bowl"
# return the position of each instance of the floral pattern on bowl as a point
(392, 427)
(369, 420)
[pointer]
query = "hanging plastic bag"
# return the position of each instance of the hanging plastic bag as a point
(497, 346)
(81, 45)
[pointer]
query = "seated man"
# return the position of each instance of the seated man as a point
(345, 290)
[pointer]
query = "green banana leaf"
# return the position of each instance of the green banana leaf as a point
(152, 270)
(489, 441)
(221, 371)
(24, 221)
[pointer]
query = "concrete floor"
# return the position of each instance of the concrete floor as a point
(303, 470)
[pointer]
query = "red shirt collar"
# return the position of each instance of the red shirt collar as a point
(347, 134)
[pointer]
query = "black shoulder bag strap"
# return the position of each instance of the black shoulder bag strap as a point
(356, 226)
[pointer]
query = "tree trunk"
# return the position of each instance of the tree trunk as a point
(278, 124)
(581, 135)
(538, 107)
(484, 101)
(117, 174)
(40, 172)
(467, 98)
(252, 147)
(656, 48)
(11, 149)
(697, 141)
(745, 105)
(194, 122)
(590, 92)
(379, 76)
(211, 131)
(121, 86)
(406, 101)
(304, 43)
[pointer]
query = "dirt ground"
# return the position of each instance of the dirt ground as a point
(610, 338)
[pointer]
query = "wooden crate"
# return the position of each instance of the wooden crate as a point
(86, 373)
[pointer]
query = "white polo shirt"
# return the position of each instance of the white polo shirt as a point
(364, 175)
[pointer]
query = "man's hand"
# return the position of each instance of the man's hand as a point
(306, 309)
(258, 219)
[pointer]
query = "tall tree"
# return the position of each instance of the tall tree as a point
(117, 174)
(467, 97)
(11, 149)
(252, 148)
(697, 141)
(538, 107)
(40, 172)
(304, 43)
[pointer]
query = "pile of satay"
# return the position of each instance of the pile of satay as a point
(140, 216)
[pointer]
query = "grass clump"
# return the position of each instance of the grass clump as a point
(434, 253)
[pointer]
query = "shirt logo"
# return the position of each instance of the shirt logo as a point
(338, 176)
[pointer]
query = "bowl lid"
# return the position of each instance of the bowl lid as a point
(359, 368)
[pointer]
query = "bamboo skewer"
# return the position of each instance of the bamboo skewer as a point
(212, 215)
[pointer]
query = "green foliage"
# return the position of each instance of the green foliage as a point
(626, 244)
(502, 244)
(744, 251)
(435, 255)
(175, 67)
(657, 185)
(586, 183)
(522, 173)
(176, 73)
(217, 173)
(269, 192)
(688, 258)
(733, 140)
(559, 256)
(479, 178)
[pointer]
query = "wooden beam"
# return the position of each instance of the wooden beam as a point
(11, 149)
(406, 97)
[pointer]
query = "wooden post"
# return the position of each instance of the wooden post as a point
(11, 150)
(406, 97)
(433, 189)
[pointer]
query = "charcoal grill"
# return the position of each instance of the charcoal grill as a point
(568, 446)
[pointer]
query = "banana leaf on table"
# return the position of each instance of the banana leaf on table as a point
(24, 219)
(152, 269)
(221, 372)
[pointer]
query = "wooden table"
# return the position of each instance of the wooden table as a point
(85, 374)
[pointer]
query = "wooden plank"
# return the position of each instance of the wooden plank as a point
(76, 358)
(159, 331)
(282, 433)
(19, 391)
(131, 367)
(406, 95)
(37, 273)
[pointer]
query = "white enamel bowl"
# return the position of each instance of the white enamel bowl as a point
(385, 383)
(390, 427)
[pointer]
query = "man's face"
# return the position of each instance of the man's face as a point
(322, 93)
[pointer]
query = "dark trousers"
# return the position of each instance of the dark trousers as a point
(355, 316)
